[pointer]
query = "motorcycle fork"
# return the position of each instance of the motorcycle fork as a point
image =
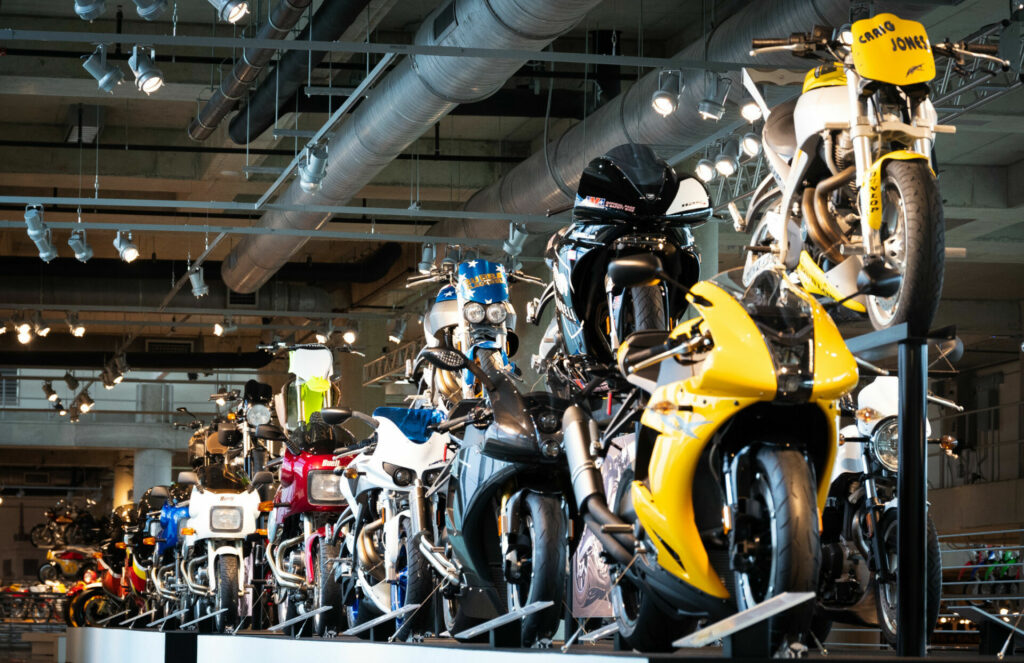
(873, 515)
(736, 521)
(862, 133)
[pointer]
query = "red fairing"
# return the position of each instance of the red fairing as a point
(71, 554)
(137, 583)
(313, 538)
(295, 470)
(112, 585)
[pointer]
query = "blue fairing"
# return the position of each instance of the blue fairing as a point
(170, 523)
(414, 424)
(446, 294)
(482, 281)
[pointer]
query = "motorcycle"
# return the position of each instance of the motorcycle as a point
(628, 202)
(71, 562)
(732, 458)
(118, 588)
(854, 154)
(166, 585)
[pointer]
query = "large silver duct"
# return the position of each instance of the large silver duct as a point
(539, 185)
(408, 101)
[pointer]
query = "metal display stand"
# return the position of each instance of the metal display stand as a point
(746, 634)
(504, 631)
(998, 632)
(371, 626)
(132, 620)
(206, 616)
(163, 620)
(912, 484)
(299, 618)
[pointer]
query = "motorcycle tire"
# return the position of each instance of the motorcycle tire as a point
(49, 572)
(94, 606)
(287, 609)
(911, 199)
(782, 496)
(648, 308)
(327, 591)
(41, 536)
(227, 593)
(419, 583)
(886, 603)
(74, 534)
(363, 611)
(544, 526)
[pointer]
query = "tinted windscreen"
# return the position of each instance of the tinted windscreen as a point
(220, 477)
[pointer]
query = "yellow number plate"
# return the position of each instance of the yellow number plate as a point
(892, 50)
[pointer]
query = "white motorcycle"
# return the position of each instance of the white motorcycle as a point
(858, 581)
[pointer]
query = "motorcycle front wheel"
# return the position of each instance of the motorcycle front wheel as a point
(227, 593)
(913, 242)
(783, 517)
(540, 573)
(326, 591)
(886, 603)
(415, 584)
(49, 572)
(41, 536)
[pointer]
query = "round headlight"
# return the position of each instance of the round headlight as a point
(496, 314)
(474, 312)
(402, 476)
(885, 444)
(258, 415)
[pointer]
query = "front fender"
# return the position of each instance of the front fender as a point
(233, 549)
(873, 180)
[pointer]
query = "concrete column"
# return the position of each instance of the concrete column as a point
(529, 335)
(706, 237)
(122, 480)
(152, 468)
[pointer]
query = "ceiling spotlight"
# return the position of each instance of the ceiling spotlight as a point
(70, 381)
(59, 407)
(349, 336)
(199, 287)
(38, 326)
(666, 98)
(705, 170)
(3, 328)
(24, 330)
(716, 89)
(398, 332)
(750, 109)
(74, 414)
(108, 76)
(727, 161)
(426, 259)
(148, 77)
(80, 245)
(751, 144)
(312, 168)
(49, 392)
(322, 335)
(39, 232)
(219, 329)
(107, 378)
(118, 368)
(125, 246)
(76, 328)
(231, 11)
(150, 10)
(90, 10)
(84, 402)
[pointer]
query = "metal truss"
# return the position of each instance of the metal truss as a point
(391, 366)
(964, 88)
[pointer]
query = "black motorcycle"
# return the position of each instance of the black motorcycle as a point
(628, 202)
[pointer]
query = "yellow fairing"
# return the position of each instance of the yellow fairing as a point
(813, 279)
(139, 571)
(737, 373)
(874, 183)
(892, 50)
(824, 77)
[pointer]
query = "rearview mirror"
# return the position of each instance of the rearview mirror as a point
(188, 478)
(445, 358)
(159, 491)
(878, 280)
(631, 271)
(269, 432)
(262, 478)
(334, 416)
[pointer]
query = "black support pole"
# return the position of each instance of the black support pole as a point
(912, 490)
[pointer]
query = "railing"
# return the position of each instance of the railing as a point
(984, 457)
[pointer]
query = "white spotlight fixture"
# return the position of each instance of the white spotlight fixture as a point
(84, 402)
(750, 109)
(76, 328)
(90, 10)
(398, 331)
(426, 259)
(70, 381)
(322, 335)
(727, 161)
(80, 245)
(226, 327)
(665, 99)
(150, 10)
(349, 336)
(231, 11)
(39, 232)
(107, 379)
(716, 89)
(59, 407)
(751, 144)
(705, 170)
(38, 326)
(118, 368)
(148, 77)
(125, 246)
(313, 167)
(108, 76)
(49, 392)
(23, 329)
(199, 287)
(74, 414)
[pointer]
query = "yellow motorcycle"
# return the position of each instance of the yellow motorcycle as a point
(732, 458)
(852, 167)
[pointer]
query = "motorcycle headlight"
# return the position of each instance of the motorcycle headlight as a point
(258, 415)
(402, 476)
(226, 519)
(474, 312)
(885, 444)
(496, 313)
(325, 487)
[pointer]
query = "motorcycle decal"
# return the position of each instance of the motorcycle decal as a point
(873, 181)
(892, 50)
(824, 76)
(816, 282)
(482, 281)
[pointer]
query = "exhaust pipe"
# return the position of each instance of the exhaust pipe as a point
(440, 563)
(367, 554)
(186, 571)
(274, 559)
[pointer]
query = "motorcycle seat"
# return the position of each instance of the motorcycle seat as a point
(779, 133)
(414, 423)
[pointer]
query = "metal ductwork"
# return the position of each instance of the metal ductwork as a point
(408, 101)
(197, 361)
(280, 86)
(282, 19)
(540, 185)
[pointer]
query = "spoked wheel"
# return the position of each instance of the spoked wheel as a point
(886, 604)
(326, 591)
(41, 536)
(913, 243)
(49, 572)
(535, 568)
(94, 606)
(781, 519)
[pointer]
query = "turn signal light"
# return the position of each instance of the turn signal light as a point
(120, 545)
(261, 532)
(97, 555)
(267, 507)
(149, 541)
(351, 472)
(187, 531)
(868, 415)
(231, 416)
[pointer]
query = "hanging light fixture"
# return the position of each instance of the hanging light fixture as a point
(49, 392)
(322, 335)
(80, 245)
(108, 76)
(705, 170)
(727, 162)
(349, 335)
(60, 409)
(226, 327)
(231, 11)
(76, 328)
(751, 144)
(148, 77)
(74, 414)
(23, 328)
(150, 10)
(716, 89)
(749, 108)
(426, 259)
(39, 232)
(85, 404)
(398, 331)
(118, 368)
(313, 167)
(665, 99)
(107, 378)
(70, 381)
(90, 10)
(125, 246)
(40, 328)
(199, 287)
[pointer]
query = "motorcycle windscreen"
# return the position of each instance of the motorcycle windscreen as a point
(482, 281)
(889, 49)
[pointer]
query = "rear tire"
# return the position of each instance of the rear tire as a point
(543, 526)
(648, 308)
(49, 572)
(886, 602)
(41, 536)
(642, 624)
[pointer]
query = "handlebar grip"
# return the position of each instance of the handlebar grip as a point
(983, 49)
(648, 353)
(766, 43)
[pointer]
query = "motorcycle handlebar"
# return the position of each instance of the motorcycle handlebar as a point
(984, 49)
(769, 42)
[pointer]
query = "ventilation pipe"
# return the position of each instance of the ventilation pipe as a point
(196, 361)
(417, 93)
(542, 184)
(281, 84)
(282, 19)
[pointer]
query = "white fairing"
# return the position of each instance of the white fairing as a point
(819, 107)
(201, 505)
(883, 396)
(394, 448)
(691, 195)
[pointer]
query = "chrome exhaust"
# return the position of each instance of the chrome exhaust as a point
(186, 570)
(366, 552)
(441, 564)
(274, 559)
